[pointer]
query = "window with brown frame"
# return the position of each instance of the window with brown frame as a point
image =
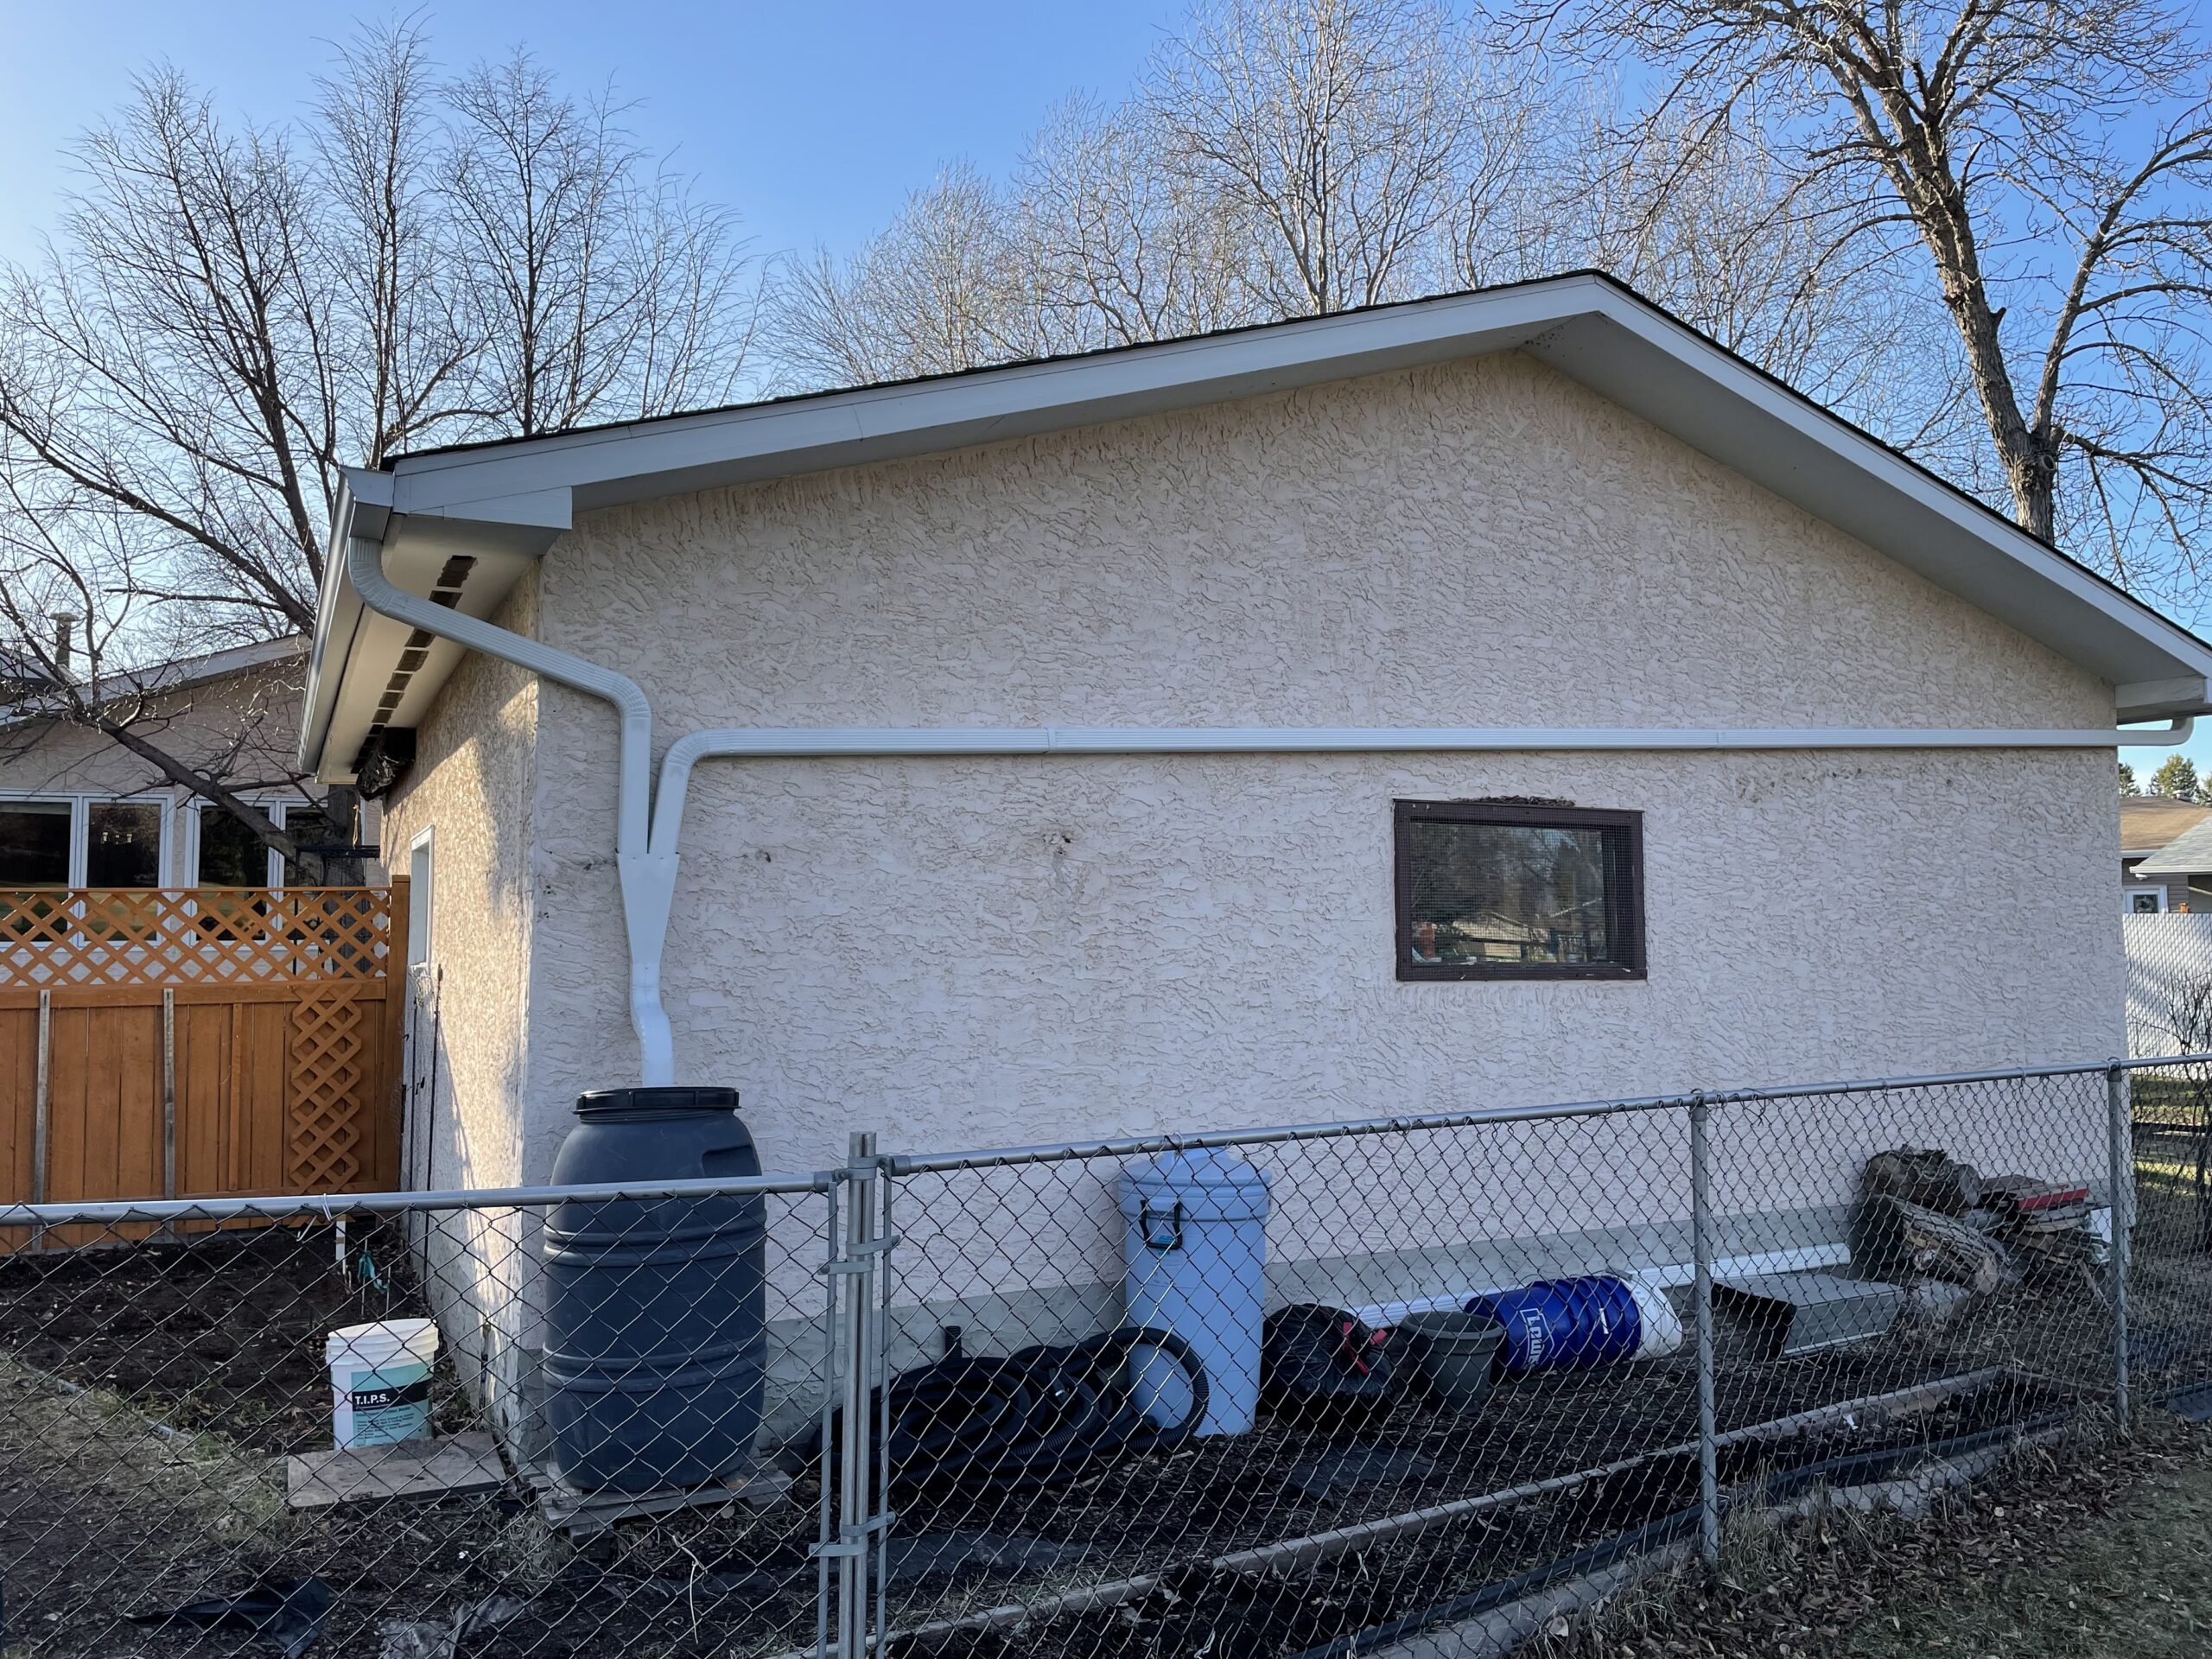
(1497, 890)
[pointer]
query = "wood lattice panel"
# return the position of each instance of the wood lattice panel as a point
(82, 937)
(329, 1067)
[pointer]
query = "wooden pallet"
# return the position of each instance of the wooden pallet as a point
(577, 1512)
(465, 1463)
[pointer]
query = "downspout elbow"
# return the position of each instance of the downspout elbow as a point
(365, 568)
(2177, 733)
(647, 880)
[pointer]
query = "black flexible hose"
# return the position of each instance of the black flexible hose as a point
(971, 1423)
(1866, 1465)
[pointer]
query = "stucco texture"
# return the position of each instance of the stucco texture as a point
(963, 952)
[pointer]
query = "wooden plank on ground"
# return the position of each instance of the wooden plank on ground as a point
(465, 1463)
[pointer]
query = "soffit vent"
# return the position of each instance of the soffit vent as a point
(451, 580)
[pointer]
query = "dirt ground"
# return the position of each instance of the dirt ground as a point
(221, 1331)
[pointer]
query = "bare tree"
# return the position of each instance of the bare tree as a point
(75, 654)
(590, 286)
(1713, 225)
(1283, 157)
(230, 312)
(1342, 134)
(950, 284)
(2049, 160)
(1128, 246)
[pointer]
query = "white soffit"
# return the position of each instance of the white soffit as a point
(505, 503)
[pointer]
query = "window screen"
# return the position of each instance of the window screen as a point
(230, 856)
(34, 843)
(123, 844)
(1510, 892)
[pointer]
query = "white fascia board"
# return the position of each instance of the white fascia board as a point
(1657, 368)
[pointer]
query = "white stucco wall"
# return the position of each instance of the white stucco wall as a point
(471, 789)
(977, 952)
(972, 953)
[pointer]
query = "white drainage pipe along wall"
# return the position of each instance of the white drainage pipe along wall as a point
(649, 824)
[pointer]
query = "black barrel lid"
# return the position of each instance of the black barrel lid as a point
(683, 1100)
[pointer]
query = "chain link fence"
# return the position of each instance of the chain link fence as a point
(1291, 1392)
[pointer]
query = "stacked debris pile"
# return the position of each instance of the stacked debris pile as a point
(1923, 1214)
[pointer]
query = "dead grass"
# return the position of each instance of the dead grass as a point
(2089, 1549)
(2134, 1583)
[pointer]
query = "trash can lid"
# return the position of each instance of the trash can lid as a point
(1214, 1174)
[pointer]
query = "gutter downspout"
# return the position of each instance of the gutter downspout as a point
(890, 743)
(648, 878)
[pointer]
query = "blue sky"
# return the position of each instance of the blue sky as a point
(813, 120)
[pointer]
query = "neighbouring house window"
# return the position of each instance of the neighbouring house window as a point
(308, 826)
(230, 856)
(2147, 901)
(34, 843)
(1493, 891)
(123, 844)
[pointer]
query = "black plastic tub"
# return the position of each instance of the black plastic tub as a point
(1455, 1354)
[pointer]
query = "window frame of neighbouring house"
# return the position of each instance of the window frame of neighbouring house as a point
(1624, 910)
(2145, 890)
(168, 854)
(279, 809)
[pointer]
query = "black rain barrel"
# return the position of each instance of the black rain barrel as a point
(654, 1340)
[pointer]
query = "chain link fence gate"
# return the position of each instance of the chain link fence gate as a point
(169, 1484)
(979, 1422)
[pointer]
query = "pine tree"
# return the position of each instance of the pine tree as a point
(2176, 777)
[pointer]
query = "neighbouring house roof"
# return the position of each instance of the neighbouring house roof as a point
(2188, 853)
(463, 524)
(177, 675)
(2148, 822)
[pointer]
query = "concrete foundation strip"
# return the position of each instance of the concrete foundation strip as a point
(1338, 1540)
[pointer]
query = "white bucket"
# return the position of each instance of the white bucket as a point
(380, 1381)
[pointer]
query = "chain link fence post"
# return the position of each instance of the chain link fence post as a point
(833, 1395)
(2121, 1178)
(856, 1417)
(1708, 1473)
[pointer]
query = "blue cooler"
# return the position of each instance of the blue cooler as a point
(1194, 1258)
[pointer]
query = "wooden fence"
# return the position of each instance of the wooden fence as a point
(199, 1044)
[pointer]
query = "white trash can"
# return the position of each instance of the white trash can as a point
(380, 1381)
(1194, 1261)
